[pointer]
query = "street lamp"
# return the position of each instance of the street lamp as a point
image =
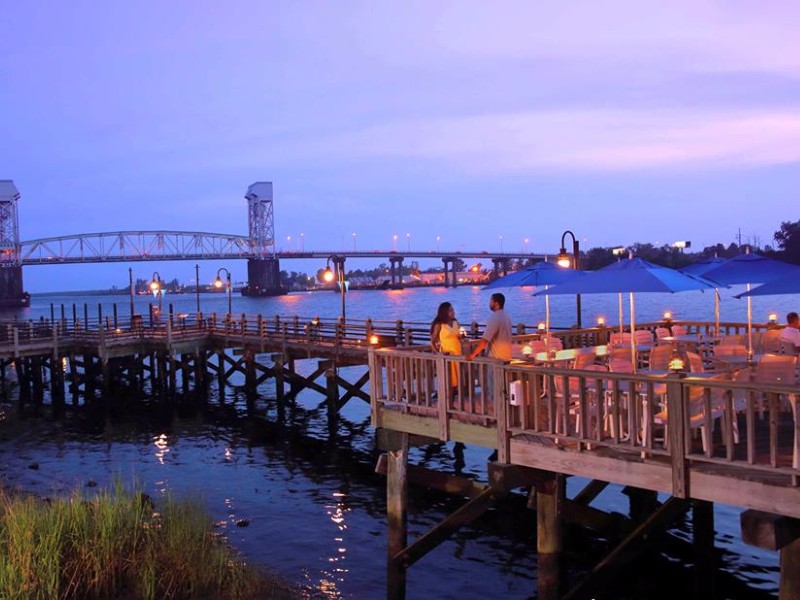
(564, 260)
(501, 244)
(408, 241)
(218, 284)
(329, 276)
(394, 242)
(156, 286)
(438, 239)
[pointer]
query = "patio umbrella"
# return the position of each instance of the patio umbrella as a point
(776, 287)
(699, 268)
(632, 275)
(541, 274)
(750, 268)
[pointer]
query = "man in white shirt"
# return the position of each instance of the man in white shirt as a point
(791, 333)
(497, 335)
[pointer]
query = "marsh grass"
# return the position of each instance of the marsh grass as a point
(113, 545)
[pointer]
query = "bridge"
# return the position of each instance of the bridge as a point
(257, 247)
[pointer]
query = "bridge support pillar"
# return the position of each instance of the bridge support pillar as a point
(11, 294)
(263, 278)
(450, 275)
(499, 264)
(396, 264)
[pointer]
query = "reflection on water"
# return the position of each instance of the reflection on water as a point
(310, 506)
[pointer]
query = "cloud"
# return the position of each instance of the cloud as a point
(556, 140)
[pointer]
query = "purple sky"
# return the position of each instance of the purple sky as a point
(621, 121)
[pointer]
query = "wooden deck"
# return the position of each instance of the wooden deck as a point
(613, 435)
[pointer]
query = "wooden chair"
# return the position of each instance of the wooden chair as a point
(643, 337)
(661, 333)
(584, 360)
(729, 350)
(660, 357)
(771, 342)
(679, 330)
(730, 340)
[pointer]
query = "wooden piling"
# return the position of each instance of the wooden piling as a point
(397, 516)
(549, 535)
(703, 546)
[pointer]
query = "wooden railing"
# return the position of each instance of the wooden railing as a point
(703, 420)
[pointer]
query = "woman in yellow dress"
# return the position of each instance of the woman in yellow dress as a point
(446, 337)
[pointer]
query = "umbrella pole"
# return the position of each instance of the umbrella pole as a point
(716, 311)
(749, 326)
(621, 328)
(633, 329)
(546, 313)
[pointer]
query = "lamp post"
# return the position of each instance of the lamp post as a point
(564, 260)
(218, 284)
(197, 285)
(408, 242)
(156, 286)
(354, 242)
(130, 280)
(329, 276)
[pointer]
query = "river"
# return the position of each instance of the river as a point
(311, 508)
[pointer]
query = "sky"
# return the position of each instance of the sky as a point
(485, 124)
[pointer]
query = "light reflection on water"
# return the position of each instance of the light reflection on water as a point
(312, 512)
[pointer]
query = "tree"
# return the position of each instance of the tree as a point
(788, 240)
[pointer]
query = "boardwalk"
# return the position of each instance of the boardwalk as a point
(703, 438)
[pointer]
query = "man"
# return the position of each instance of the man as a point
(791, 333)
(497, 335)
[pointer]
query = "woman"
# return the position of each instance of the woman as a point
(445, 337)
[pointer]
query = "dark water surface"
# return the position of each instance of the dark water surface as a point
(312, 507)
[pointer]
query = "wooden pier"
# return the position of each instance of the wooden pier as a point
(701, 439)
(711, 439)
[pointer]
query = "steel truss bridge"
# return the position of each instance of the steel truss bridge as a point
(137, 246)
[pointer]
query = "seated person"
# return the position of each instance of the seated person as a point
(791, 333)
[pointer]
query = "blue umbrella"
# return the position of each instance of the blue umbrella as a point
(700, 268)
(631, 276)
(540, 274)
(776, 287)
(751, 268)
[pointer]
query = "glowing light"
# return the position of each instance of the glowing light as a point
(601, 321)
(374, 340)
(527, 350)
(773, 318)
(676, 365)
(667, 315)
(541, 326)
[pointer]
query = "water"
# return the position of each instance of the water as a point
(313, 509)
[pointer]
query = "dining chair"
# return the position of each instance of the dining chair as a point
(727, 351)
(771, 342)
(643, 337)
(661, 333)
(552, 343)
(678, 330)
(730, 340)
(584, 360)
(660, 357)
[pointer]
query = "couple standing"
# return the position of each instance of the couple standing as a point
(446, 337)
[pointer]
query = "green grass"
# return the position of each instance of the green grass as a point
(115, 546)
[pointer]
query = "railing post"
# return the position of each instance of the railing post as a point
(399, 331)
(501, 414)
(676, 426)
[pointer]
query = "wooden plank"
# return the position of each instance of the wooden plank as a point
(649, 475)
(421, 476)
(505, 477)
(767, 530)
(789, 588)
(590, 492)
(677, 425)
(630, 548)
(439, 533)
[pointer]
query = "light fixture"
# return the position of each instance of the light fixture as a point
(527, 350)
(667, 315)
(773, 318)
(601, 321)
(374, 340)
(329, 275)
(563, 260)
(218, 284)
(676, 365)
(541, 326)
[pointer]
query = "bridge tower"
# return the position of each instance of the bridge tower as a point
(263, 271)
(11, 293)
